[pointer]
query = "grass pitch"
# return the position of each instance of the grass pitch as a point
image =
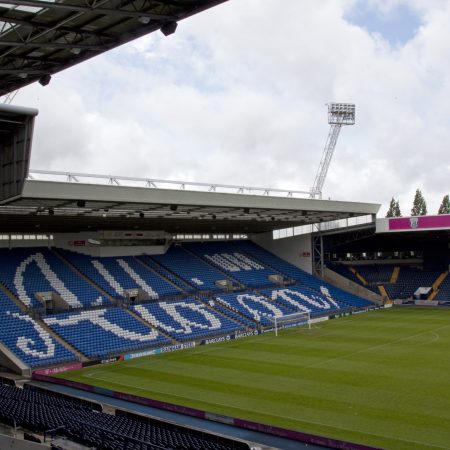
(380, 378)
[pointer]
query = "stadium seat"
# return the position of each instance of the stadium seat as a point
(101, 333)
(187, 319)
(27, 271)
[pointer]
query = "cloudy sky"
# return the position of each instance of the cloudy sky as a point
(238, 96)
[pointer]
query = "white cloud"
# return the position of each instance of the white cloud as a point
(237, 95)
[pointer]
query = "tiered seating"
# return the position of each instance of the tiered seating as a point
(300, 298)
(40, 412)
(6, 304)
(444, 290)
(226, 311)
(186, 320)
(409, 280)
(183, 285)
(192, 270)
(253, 306)
(303, 278)
(102, 332)
(114, 275)
(30, 342)
(27, 271)
(228, 258)
(344, 271)
(376, 273)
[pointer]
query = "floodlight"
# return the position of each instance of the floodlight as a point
(81, 203)
(169, 28)
(51, 212)
(173, 207)
(341, 113)
(45, 79)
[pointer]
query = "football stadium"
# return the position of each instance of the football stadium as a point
(149, 314)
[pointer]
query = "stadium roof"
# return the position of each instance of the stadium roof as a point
(55, 206)
(39, 38)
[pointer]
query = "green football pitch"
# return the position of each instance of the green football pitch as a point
(380, 378)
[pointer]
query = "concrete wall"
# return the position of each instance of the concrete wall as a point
(349, 286)
(11, 443)
(296, 249)
(11, 362)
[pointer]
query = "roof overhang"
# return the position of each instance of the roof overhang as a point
(40, 38)
(49, 206)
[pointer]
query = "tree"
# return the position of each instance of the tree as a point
(445, 205)
(394, 209)
(419, 205)
(397, 212)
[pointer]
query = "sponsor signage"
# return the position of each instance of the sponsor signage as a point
(60, 369)
(228, 337)
(319, 319)
(419, 223)
(157, 351)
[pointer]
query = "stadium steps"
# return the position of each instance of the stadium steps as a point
(383, 291)
(234, 311)
(219, 269)
(159, 271)
(82, 275)
(440, 279)
(359, 276)
(59, 339)
(265, 264)
(149, 325)
(395, 274)
(190, 287)
(231, 316)
(10, 295)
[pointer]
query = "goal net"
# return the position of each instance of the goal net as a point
(290, 320)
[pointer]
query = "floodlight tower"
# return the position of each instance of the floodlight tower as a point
(338, 114)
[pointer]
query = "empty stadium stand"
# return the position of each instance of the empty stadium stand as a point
(235, 263)
(193, 292)
(26, 272)
(39, 411)
(192, 270)
(103, 332)
(187, 319)
(30, 342)
(399, 282)
(116, 275)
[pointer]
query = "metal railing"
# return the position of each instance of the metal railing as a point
(154, 183)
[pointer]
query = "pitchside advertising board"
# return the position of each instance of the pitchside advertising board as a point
(415, 223)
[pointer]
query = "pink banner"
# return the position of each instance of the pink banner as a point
(53, 370)
(419, 223)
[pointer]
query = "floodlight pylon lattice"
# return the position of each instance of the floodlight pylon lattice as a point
(339, 114)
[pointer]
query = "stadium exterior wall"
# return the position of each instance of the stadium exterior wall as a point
(297, 249)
